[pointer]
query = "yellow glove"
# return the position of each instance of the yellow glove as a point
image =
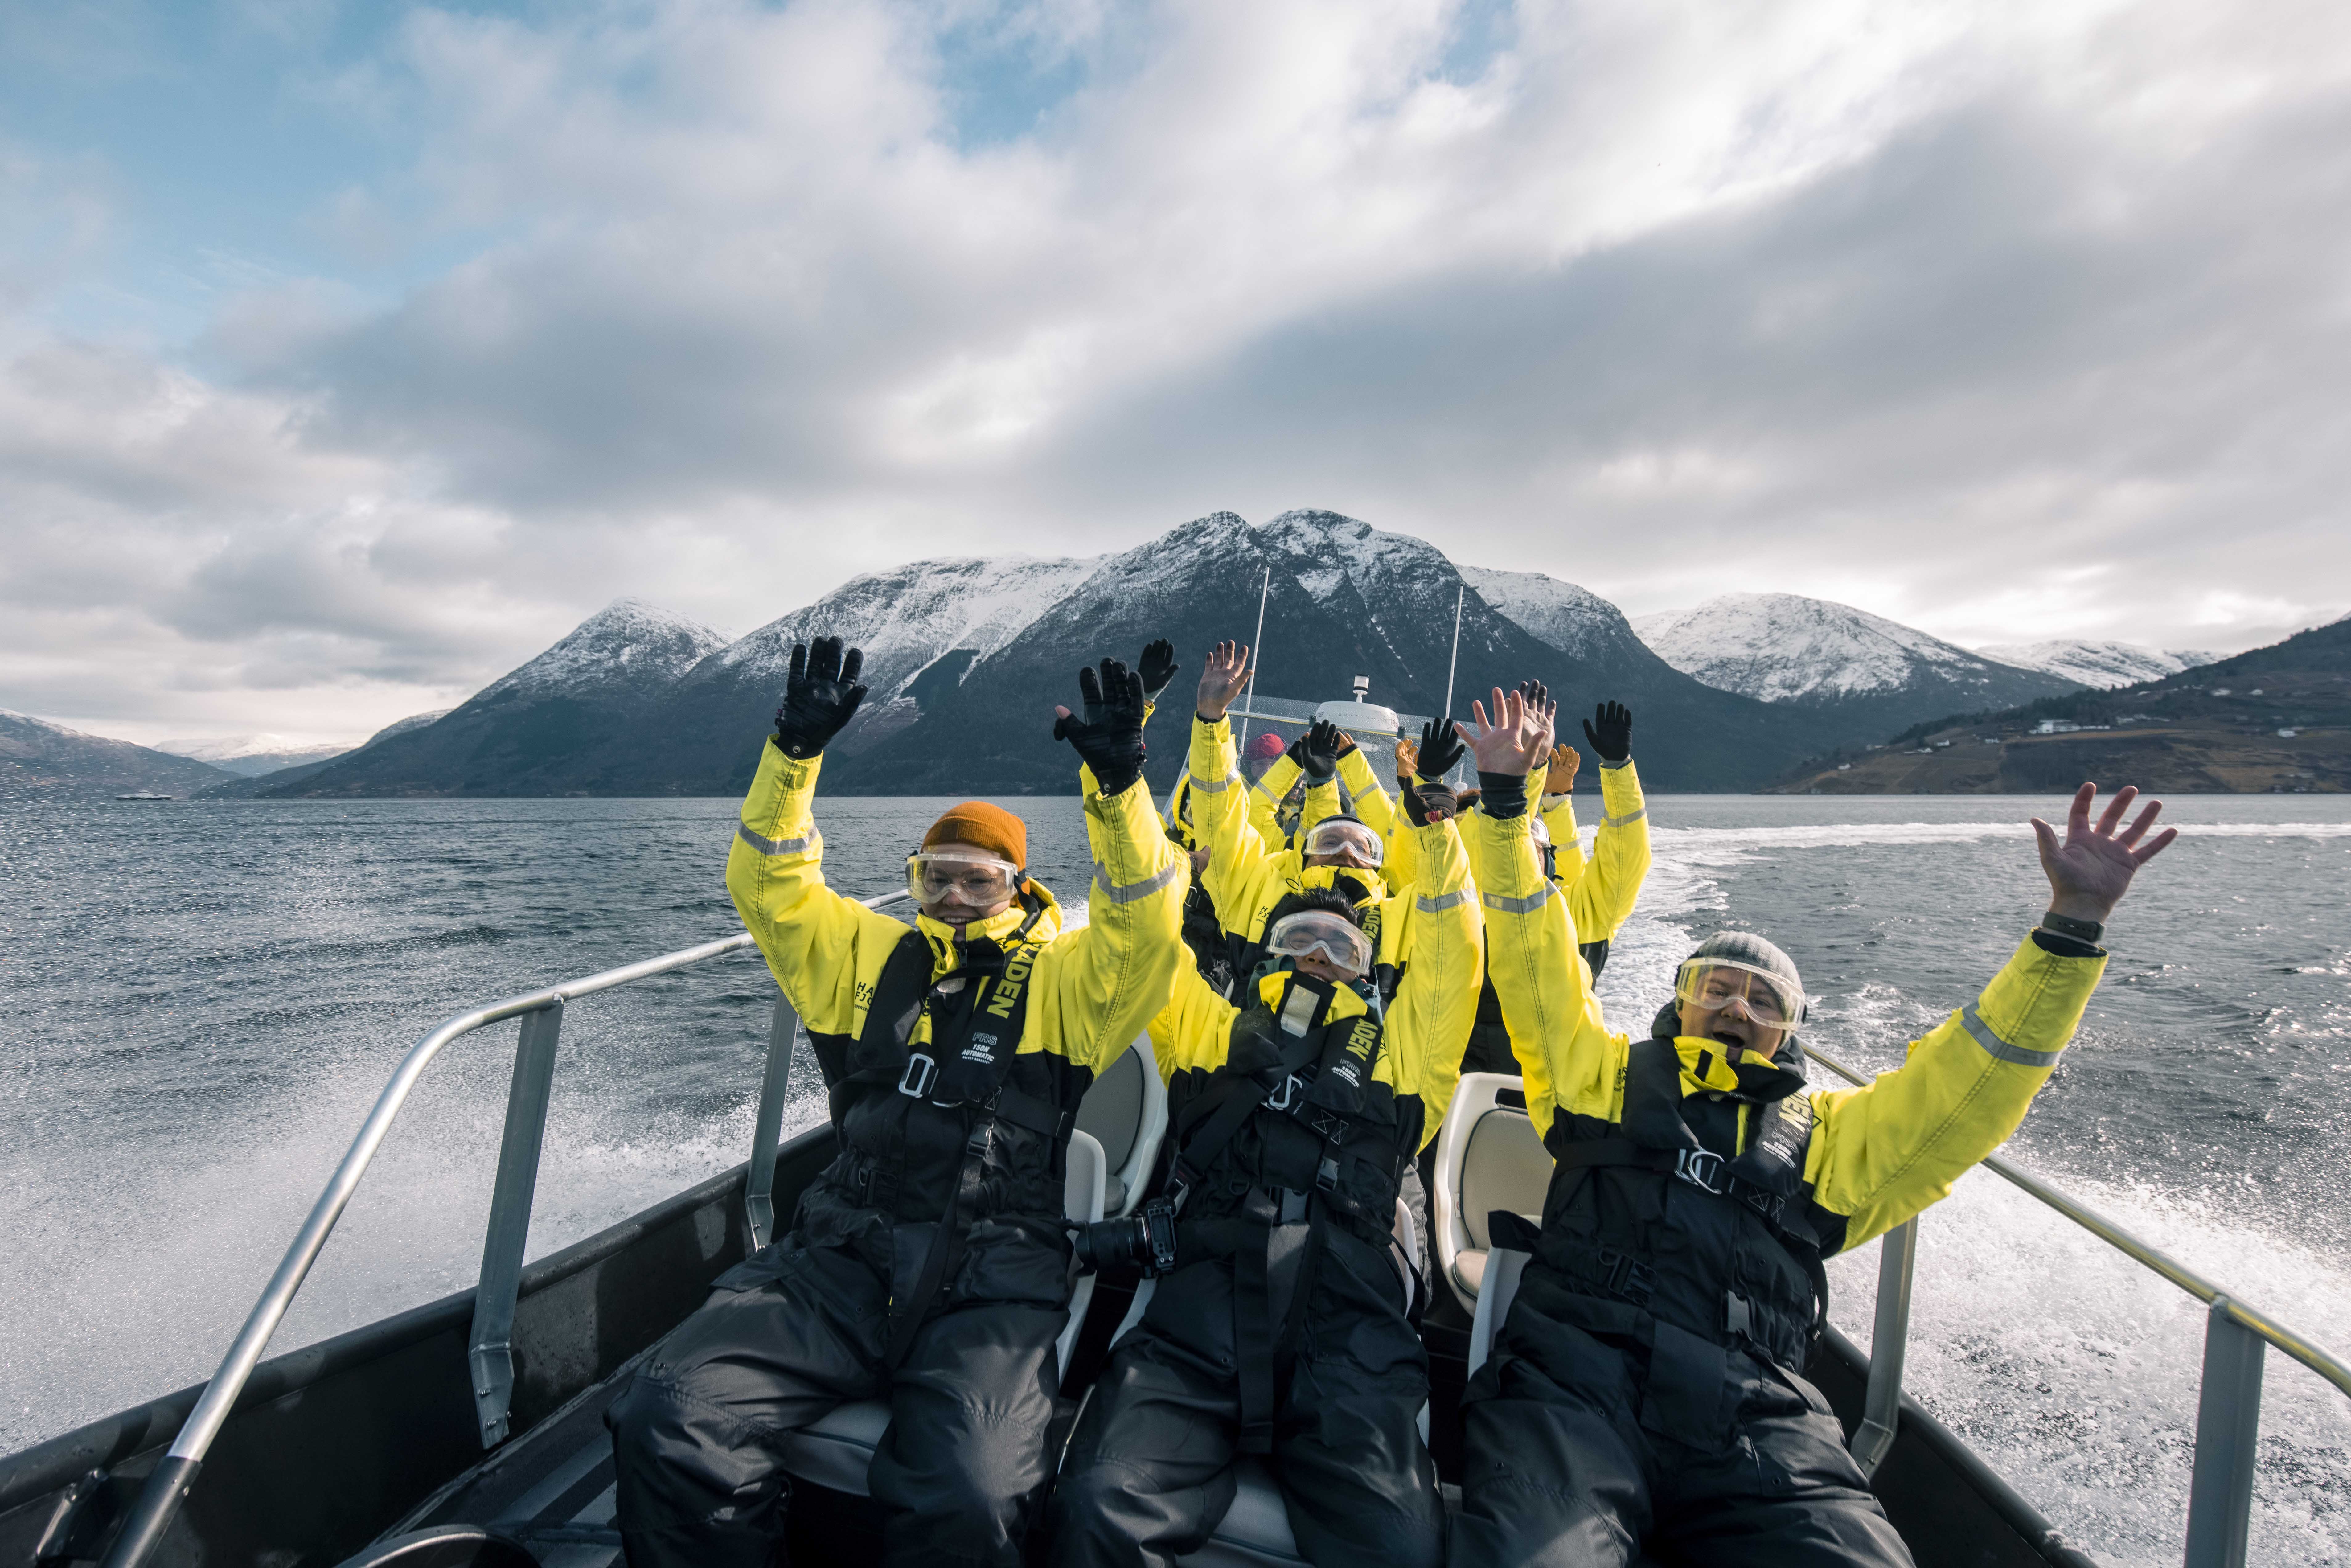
(1560, 779)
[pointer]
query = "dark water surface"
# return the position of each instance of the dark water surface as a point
(198, 1001)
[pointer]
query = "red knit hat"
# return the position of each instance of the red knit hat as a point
(983, 827)
(1266, 747)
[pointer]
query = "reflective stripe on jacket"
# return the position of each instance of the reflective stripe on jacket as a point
(1878, 1156)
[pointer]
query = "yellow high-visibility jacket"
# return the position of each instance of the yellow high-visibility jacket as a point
(1247, 876)
(1431, 935)
(1092, 990)
(1362, 795)
(1878, 1156)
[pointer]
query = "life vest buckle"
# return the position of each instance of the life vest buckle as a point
(920, 1074)
(1702, 1168)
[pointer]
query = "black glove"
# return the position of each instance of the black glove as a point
(1612, 736)
(1441, 750)
(1158, 667)
(1536, 693)
(1318, 751)
(820, 694)
(1107, 729)
(1428, 799)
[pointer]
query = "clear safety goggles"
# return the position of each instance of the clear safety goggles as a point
(970, 878)
(1354, 843)
(1339, 940)
(1725, 986)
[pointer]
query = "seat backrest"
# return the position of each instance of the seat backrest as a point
(1505, 1168)
(1112, 1108)
(1125, 1110)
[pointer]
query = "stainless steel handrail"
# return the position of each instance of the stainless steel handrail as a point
(2228, 1414)
(159, 1500)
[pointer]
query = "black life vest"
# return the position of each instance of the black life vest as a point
(1716, 1246)
(964, 1129)
(1290, 1138)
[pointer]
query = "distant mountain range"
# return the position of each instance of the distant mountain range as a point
(39, 760)
(965, 658)
(251, 755)
(251, 785)
(2274, 719)
(2099, 665)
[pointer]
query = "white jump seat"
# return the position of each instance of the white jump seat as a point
(1120, 1124)
(1255, 1531)
(1487, 1157)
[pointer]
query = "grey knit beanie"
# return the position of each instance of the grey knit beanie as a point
(1745, 948)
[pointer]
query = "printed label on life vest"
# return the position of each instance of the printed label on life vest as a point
(1010, 985)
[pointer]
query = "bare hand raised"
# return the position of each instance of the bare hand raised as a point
(2090, 870)
(1226, 671)
(1511, 740)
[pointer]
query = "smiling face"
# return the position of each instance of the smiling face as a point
(1736, 1008)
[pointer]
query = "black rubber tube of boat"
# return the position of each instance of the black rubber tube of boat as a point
(151, 1515)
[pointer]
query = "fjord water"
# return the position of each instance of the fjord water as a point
(203, 999)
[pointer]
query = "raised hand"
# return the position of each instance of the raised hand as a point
(821, 695)
(1508, 742)
(1320, 749)
(2090, 870)
(1440, 748)
(1560, 779)
(1610, 731)
(1407, 761)
(1109, 736)
(1226, 671)
(1157, 667)
(1542, 706)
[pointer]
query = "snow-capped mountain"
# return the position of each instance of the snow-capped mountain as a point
(1783, 647)
(250, 755)
(628, 641)
(908, 622)
(1572, 619)
(2101, 664)
(1345, 599)
(40, 758)
(576, 719)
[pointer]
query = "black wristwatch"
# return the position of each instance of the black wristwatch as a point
(2079, 930)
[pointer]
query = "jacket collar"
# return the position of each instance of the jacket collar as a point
(995, 928)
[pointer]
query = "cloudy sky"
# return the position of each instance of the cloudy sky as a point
(352, 353)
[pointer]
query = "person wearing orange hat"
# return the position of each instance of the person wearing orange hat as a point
(929, 1264)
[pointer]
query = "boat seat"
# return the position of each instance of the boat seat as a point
(1255, 1531)
(1126, 1111)
(836, 1450)
(1487, 1157)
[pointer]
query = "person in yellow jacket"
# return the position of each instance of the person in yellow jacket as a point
(1282, 1325)
(1248, 874)
(1644, 1396)
(1338, 780)
(929, 1265)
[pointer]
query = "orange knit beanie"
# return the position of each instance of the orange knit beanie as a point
(983, 827)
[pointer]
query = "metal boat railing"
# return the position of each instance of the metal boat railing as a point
(2228, 1420)
(488, 1346)
(2228, 1397)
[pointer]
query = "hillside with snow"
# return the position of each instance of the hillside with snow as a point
(2102, 665)
(1871, 674)
(42, 760)
(250, 755)
(1572, 619)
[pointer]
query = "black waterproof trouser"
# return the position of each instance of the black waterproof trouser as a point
(1150, 1469)
(1575, 1452)
(698, 1432)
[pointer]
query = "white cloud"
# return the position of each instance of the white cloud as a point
(2023, 320)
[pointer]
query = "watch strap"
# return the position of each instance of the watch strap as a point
(2089, 931)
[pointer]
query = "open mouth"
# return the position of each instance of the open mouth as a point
(1727, 1035)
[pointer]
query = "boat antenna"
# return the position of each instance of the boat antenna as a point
(1249, 699)
(1454, 663)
